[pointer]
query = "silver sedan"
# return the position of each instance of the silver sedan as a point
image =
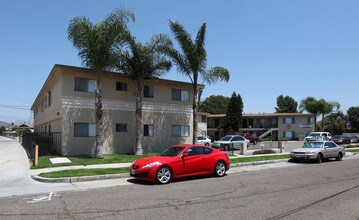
(318, 150)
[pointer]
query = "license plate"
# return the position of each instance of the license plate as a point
(133, 172)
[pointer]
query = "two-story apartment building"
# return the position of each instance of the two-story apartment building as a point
(66, 106)
(278, 125)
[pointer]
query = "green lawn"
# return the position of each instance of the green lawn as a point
(259, 158)
(353, 150)
(84, 172)
(44, 162)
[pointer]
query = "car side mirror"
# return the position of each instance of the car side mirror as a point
(184, 155)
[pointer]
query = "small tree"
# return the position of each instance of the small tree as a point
(335, 123)
(286, 104)
(2, 128)
(232, 120)
(215, 104)
(353, 117)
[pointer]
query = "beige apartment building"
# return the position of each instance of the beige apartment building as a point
(65, 108)
(291, 126)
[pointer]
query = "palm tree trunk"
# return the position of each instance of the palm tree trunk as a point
(139, 150)
(98, 117)
(195, 115)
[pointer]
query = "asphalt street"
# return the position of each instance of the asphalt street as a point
(274, 191)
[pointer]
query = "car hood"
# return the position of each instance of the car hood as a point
(152, 159)
(302, 149)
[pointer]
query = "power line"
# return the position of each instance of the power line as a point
(18, 107)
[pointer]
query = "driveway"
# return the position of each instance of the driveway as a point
(15, 177)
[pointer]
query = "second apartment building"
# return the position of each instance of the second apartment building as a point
(66, 106)
(291, 126)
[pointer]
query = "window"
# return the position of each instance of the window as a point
(47, 100)
(180, 95)
(121, 127)
(85, 85)
(180, 130)
(289, 134)
(194, 151)
(204, 119)
(330, 145)
(148, 91)
(237, 139)
(288, 120)
(85, 130)
(120, 86)
(207, 150)
(148, 130)
(274, 121)
(310, 120)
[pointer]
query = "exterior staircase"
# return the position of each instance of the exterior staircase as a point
(268, 132)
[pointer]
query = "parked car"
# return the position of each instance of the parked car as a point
(341, 139)
(354, 139)
(318, 150)
(230, 141)
(253, 138)
(181, 161)
(204, 140)
(318, 136)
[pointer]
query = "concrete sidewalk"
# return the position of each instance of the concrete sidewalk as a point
(14, 163)
(15, 177)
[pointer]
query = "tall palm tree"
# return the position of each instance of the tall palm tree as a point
(192, 62)
(310, 104)
(318, 107)
(97, 44)
(141, 62)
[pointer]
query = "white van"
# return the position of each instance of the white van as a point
(318, 136)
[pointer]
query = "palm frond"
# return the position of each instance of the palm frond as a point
(216, 74)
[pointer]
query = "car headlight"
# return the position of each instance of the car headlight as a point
(149, 165)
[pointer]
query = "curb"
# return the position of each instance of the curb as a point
(79, 179)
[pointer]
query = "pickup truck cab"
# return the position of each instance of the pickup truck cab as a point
(253, 138)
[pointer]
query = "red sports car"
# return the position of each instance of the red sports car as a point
(181, 161)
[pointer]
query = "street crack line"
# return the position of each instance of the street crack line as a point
(311, 204)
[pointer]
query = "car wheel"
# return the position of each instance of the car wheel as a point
(207, 144)
(319, 158)
(339, 157)
(164, 175)
(220, 169)
(227, 148)
(255, 142)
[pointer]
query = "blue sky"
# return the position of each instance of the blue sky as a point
(298, 48)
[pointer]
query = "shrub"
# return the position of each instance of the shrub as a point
(267, 139)
(264, 152)
(352, 146)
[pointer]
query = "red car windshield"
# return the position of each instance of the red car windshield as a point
(172, 151)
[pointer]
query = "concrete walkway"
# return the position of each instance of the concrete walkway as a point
(15, 178)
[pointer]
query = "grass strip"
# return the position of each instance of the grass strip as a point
(44, 161)
(259, 158)
(353, 150)
(84, 172)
